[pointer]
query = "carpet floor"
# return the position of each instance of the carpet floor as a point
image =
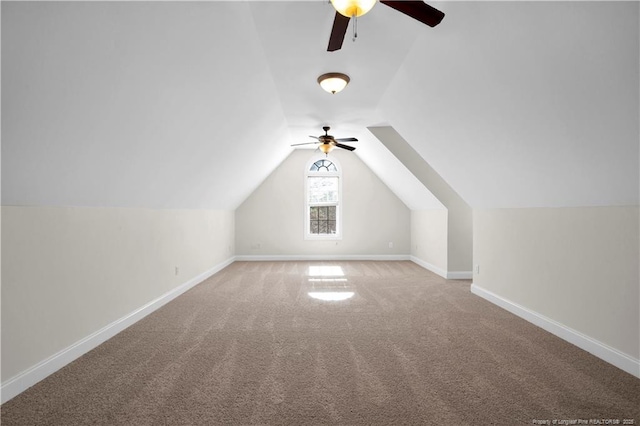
(338, 343)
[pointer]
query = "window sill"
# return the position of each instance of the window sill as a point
(323, 237)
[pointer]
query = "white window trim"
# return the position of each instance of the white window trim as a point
(307, 218)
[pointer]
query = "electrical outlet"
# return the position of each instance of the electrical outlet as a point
(390, 244)
(177, 270)
(477, 269)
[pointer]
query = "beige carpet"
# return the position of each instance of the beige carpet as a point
(252, 346)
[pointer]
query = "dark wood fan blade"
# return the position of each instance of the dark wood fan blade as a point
(417, 9)
(340, 24)
(350, 148)
(306, 143)
(346, 139)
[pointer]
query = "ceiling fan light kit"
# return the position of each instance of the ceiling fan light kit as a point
(353, 8)
(347, 9)
(333, 82)
(325, 148)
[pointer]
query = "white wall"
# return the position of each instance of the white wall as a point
(67, 272)
(576, 266)
(460, 220)
(429, 230)
(273, 216)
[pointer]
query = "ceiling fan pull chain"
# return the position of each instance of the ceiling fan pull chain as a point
(355, 27)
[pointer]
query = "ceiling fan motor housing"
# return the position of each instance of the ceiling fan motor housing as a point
(326, 138)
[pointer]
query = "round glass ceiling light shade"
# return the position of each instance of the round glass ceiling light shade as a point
(325, 147)
(333, 82)
(351, 8)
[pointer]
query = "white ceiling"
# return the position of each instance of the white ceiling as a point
(193, 104)
(526, 104)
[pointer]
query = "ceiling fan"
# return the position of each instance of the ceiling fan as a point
(327, 142)
(347, 9)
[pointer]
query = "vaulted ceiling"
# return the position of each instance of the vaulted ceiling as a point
(193, 104)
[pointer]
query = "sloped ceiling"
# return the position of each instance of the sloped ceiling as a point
(160, 105)
(526, 104)
(193, 104)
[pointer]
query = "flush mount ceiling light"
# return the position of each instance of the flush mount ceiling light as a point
(333, 82)
(353, 8)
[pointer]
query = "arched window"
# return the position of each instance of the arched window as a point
(322, 199)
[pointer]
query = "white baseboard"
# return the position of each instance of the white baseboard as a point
(449, 275)
(312, 257)
(38, 372)
(594, 347)
(460, 275)
(430, 267)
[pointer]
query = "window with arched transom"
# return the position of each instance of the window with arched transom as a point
(323, 187)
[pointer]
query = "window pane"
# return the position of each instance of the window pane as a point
(322, 220)
(331, 213)
(322, 213)
(323, 189)
(323, 166)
